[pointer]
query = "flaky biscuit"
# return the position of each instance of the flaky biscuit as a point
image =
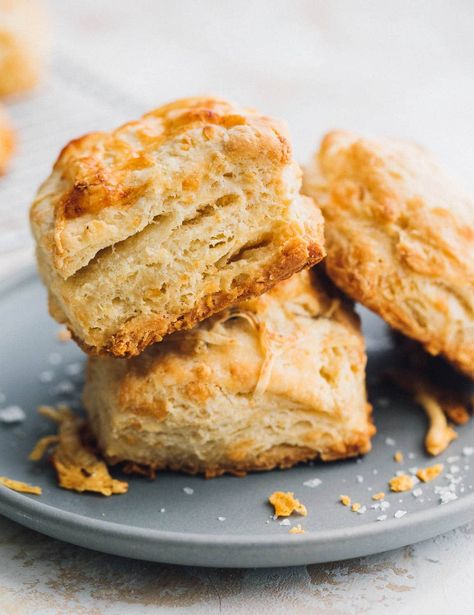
(155, 226)
(7, 141)
(23, 39)
(276, 380)
(400, 239)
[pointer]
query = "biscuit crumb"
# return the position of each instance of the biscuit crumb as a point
(297, 529)
(400, 483)
(63, 335)
(438, 403)
(398, 457)
(345, 500)
(77, 466)
(378, 496)
(429, 473)
(286, 504)
(16, 485)
(355, 507)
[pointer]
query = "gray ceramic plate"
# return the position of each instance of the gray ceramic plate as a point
(226, 521)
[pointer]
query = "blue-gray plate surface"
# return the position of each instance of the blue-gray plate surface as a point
(225, 521)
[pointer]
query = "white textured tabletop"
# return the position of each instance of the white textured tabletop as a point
(401, 68)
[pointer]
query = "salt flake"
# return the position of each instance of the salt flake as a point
(313, 482)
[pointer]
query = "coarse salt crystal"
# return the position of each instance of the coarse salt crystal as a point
(399, 514)
(313, 482)
(390, 442)
(359, 478)
(454, 469)
(221, 518)
(362, 510)
(411, 455)
(453, 458)
(188, 490)
(449, 496)
(46, 376)
(162, 509)
(413, 470)
(12, 414)
(381, 517)
(73, 369)
(417, 492)
(54, 358)
(468, 451)
(285, 522)
(63, 388)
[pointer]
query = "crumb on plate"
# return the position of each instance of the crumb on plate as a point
(297, 529)
(63, 334)
(378, 496)
(429, 473)
(286, 504)
(77, 466)
(16, 485)
(400, 483)
(398, 457)
(345, 500)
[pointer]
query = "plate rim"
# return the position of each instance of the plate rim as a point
(40, 516)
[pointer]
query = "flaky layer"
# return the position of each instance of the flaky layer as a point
(400, 239)
(215, 216)
(276, 380)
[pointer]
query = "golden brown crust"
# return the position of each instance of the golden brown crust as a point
(107, 186)
(130, 254)
(276, 380)
(400, 239)
(280, 457)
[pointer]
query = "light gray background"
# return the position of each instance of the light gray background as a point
(402, 68)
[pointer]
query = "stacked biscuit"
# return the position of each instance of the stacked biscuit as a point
(177, 251)
(157, 242)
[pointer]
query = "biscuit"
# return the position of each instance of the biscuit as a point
(274, 381)
(23, 38)
(155, 226)
(7, 141)
(400, 239)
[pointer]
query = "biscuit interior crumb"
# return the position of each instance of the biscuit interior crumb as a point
(404, 482)
(355, 507)
(17, 485)
(345, 499)
(429, 473)
(398, 457)
(297, 529)
(286, 504)
(378, 496)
